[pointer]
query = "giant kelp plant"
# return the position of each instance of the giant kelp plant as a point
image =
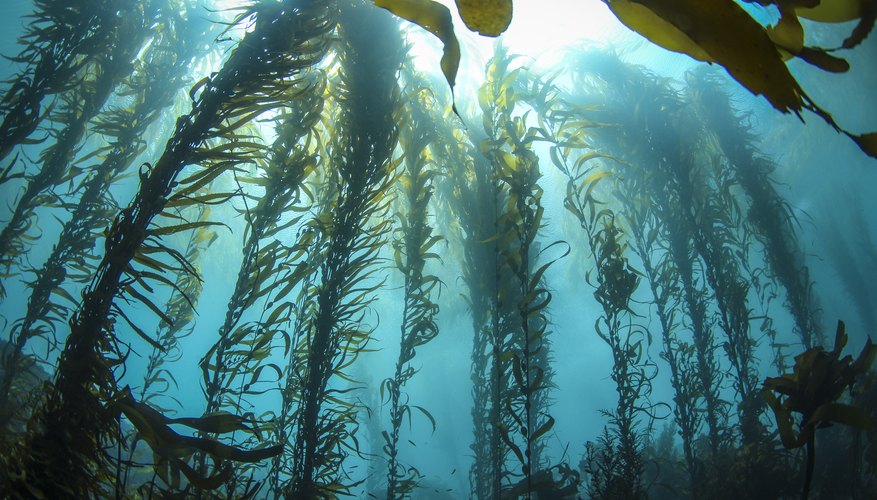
(324, 173)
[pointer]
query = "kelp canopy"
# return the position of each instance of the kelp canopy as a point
(298, 249)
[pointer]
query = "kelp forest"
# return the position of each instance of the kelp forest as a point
(389, 249)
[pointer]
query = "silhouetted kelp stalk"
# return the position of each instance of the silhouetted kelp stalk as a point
(518, 357)
(615, 281)
(769, 215)
(847, 264)
(634, 111)
(647, 229)
(334, 331)
(95, 209)
(158, 379)
(468, 190)
(412, 246)
(568, 132)
(80, 105)
(234, 369)
(61, 40)
(66, 452)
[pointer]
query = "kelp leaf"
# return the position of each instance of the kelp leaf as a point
(841, 414)
(427, 414)
(218, 423)
(863, 29)
(866, 142)
(486, 17)
(716, 29)
(783, 419)
(547, 426)
(647, 23)
(436, 19)
(833, 11)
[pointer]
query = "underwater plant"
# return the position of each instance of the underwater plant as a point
(81, 409)
(179, 312)
(812, 390)
(94, 211)
(333, 328)
(769, 215)
(80, 105)
(709, 33)
(521, 344)
(234, 368)
(468, 190)
(851, 264)
(412, 247)
(61, 40)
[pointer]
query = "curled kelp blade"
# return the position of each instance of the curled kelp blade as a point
(713, 31)
(436, 19)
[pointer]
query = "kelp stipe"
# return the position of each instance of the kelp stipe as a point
(60, 41)
(412, 246)
(522, 338)
(614, 468)
(333, 330)
(126, 35)
(647, 227)
(234, 368)
(467, 191)
(641, 148)
(66, 452)
(158, 378)
(49, 304)
(769, 215)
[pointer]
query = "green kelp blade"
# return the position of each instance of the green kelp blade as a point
(486, 17)
(436, 19)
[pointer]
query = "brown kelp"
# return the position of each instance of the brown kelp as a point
(642, 146)
(158, 378)
(769, 215)
(333, 329)
(812, 390)
(413, 248)
(615, 466)
(79, 413)
(95, 209)
(468, 190)
(518, 357)
(61, 40)
(234, 368)
(127, 34)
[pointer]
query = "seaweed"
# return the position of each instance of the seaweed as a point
(812, 390)
(158, 378)
(234, 368)
(61, 40)
(80, 106)
(81, 409)
(769, 215)
(467, 190)
(332, 324)
(412, 246)
(94, 210)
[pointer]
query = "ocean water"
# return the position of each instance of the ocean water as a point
(588, 271)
